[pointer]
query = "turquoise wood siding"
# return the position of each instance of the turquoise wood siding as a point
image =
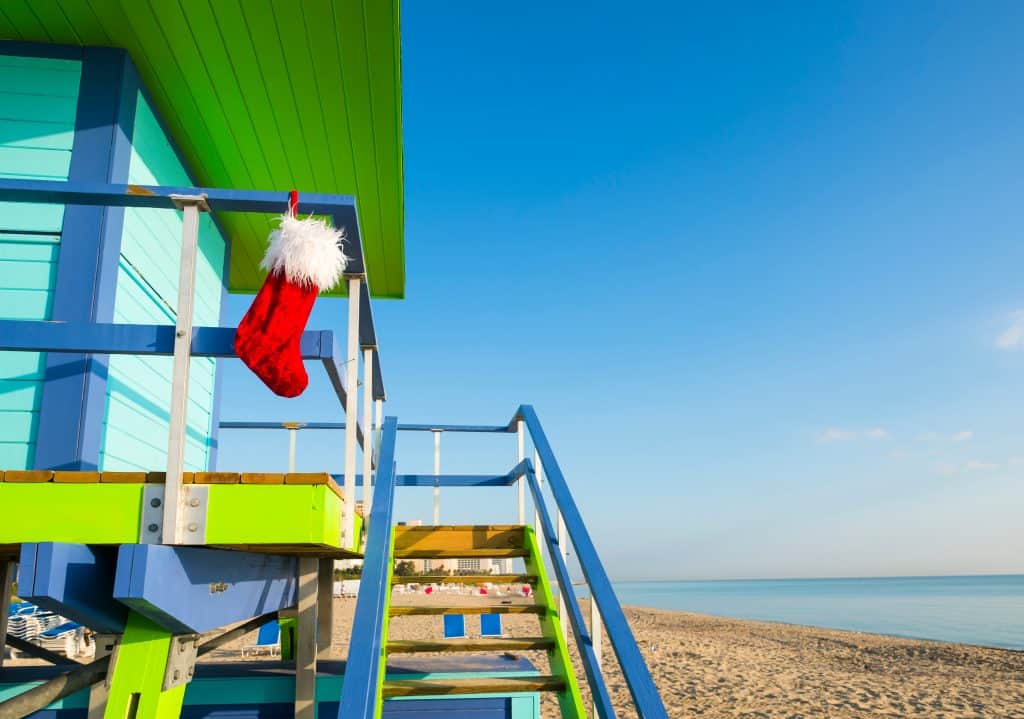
(38, 102)
(138, 388)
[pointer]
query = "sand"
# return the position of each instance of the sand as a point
(711, 667)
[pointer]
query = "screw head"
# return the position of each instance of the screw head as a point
(194, 502)
(153, 527)
(179, 333)
(192, 527)
(177, 675)
(155, 502)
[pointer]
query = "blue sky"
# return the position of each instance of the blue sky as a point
(757, 268)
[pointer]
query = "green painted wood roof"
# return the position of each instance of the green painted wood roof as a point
(265, 95)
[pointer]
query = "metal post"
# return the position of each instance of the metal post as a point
(437, 471)
(351, 415)
(595, 636)
(521, 483)
(378, 422)
(539, 472)
(174, 498)
(8, 570)
(293, 432)
(563, 591)
(368, 435)
(305, 643)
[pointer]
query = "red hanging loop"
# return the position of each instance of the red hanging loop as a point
(293, 203)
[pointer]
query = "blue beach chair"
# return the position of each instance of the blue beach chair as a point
(490, 625)
(454, 626)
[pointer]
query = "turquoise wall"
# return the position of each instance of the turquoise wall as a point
(38, 101)
(139, 388)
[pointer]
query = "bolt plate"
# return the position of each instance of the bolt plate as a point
(151, 526)
(195, 500)
(181, 660)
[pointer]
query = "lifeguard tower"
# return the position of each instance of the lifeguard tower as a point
(145, 149)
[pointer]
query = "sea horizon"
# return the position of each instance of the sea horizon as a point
(977, 609)
(812, 579)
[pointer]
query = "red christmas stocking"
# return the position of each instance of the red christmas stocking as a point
(304, 258)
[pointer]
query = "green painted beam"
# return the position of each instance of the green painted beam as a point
(264, 95)
(138, 674)
(570, 702)
(239, 514)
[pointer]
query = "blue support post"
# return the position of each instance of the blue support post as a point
(73, 580)
(74, 394)
(192, 589)
(360, 694)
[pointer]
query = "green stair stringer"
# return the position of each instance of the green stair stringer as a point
(384, 633)
(570, 702)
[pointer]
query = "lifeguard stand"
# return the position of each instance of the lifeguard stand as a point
(130, 136)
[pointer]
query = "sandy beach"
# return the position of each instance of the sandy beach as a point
(726, 668)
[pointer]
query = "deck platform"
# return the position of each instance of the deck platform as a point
(278, 513)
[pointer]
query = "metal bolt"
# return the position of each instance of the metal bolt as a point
(191, 671)
(192, 527)
(179, 333)
(177, 675)
(194, 502)
(154, 502)
(153, 527)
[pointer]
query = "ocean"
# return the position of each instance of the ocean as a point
(984, 610)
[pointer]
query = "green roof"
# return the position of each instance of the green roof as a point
(264, 95)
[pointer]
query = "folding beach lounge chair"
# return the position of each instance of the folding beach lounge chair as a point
(454, 626)
(64, 638)
(268, 641)
(490, 625)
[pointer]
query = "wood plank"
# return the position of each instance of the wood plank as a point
(307, 478)
(28, 476)
(409, 611)
(494, 644)
(217, 477)
(76, 477)
(262, 478)
(161, 477)
(466, 579)
(459, 541)
(496, 553)
(124, 477)
(495, 685)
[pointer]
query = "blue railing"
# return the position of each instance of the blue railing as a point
(364, 668)
(634, 669)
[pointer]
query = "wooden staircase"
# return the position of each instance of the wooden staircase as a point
(484, 541)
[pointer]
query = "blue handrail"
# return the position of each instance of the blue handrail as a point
(638, 678)
(584, 641)
(360, 694)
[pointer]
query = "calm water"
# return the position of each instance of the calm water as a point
(972, 610)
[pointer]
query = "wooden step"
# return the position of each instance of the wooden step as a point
(459, 541)
(484, 553)
(465, 579)
(495, 685)
(474, 609)
(485, 644)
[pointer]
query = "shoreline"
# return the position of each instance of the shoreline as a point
(795, 625)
